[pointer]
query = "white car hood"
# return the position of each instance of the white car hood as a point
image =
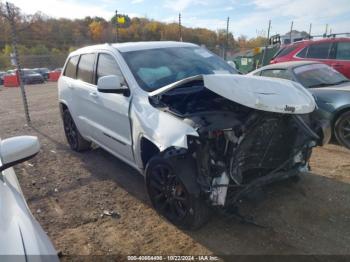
(261, 93)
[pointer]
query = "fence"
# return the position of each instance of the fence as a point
(34, 61)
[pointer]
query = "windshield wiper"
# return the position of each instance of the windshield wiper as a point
(342, 81)
(330, 84)
(321, 85)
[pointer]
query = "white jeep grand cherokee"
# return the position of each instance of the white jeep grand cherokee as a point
(200, 133)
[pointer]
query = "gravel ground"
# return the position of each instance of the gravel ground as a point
(68, 193)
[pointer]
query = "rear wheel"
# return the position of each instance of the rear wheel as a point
(342, 129)
(74, 138)
(170, 197)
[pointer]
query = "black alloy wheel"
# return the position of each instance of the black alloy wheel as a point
(168, 194)
(74, 138)
(170, 197)
(342, 129)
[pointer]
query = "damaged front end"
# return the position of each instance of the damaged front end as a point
(240, 146)
(264, 148)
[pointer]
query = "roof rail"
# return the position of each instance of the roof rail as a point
(330, 35)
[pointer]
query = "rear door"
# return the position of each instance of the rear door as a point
(342, 58)
(321, 52)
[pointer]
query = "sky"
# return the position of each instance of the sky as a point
(249, 17)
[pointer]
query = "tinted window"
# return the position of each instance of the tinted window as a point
(86, 68)
(302, 53)
(71, 68)
(319, 51)
(286, 50)
(277, 73)
(154, 68)
(106, 66)
(343, 51)
(318, 75)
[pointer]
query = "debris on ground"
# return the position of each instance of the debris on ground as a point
(112, 214)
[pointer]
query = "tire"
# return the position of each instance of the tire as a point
(342, 129)
(171, 199)
(74, 138)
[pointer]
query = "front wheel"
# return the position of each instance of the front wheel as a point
(74, 138)
(342, 129)
(170, 197)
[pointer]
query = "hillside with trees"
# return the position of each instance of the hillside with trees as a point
(41, 35)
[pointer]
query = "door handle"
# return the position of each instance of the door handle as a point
(70, 86)
(93, 94)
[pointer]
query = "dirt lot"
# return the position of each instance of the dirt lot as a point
(67, 193)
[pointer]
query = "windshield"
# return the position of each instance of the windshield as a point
(155, 68)
(318, 75)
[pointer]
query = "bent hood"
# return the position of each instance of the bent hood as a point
(273, 95)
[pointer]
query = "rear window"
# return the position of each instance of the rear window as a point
(277, 73)
(286, 50)
(319, 51)
(86, 68)
(71, 67)
(343, 51)
(302, 53)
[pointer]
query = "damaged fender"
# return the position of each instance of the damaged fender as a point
(161, 128)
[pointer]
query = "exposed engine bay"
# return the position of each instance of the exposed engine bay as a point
(238, 148)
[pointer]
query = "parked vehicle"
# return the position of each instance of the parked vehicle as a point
(32, 77)
(20, 234)
(44, 72)
(200, 133)
(2, 77)
(330, 88)
(10, 72)
(334, 52)
(59, 69)
(29, 76)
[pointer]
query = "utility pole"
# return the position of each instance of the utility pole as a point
(11, 18)
(266, 45)
(180, 28)
(325, 34)
(227, 34)
(116, 26)
(290, 33)
(310, 30)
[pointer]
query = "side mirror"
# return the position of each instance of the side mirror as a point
(17, 149)
(112, 84)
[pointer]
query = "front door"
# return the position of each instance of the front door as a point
(113, 123)
(342, 58)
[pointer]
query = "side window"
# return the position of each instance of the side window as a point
(86, 68)
(107, 65)
(343, 51)
(286, 50)
(277, 73)
(319, 51)
(71, 67)
(302, 53)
